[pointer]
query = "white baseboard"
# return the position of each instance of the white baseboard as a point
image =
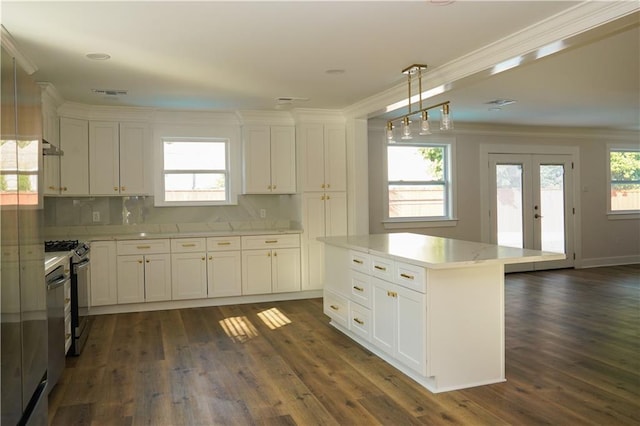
(608, 261)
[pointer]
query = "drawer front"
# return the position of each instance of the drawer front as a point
(359, 261)
(360, 321)
(361, 288)
(382, 268)
(337, 308)
(125, 247)
(259, 242)
(411, 276)
(188, 245)
(223, 243)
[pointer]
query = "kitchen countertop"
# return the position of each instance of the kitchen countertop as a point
(436, 252)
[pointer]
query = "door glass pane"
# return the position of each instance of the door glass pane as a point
(509, 208)
(552, 207)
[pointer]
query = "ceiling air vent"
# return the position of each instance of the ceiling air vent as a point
(501, 102)
(109, 92)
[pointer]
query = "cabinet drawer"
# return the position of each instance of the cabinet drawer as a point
(382, 268)
(411, 276)
(361, 288)
(143, 246)
(360, 321)
(188, 245)
(258, 242)
(223, 243)
(359, 261)
(337, 308)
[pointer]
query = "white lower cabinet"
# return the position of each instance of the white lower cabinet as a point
(144, 271)
(189, 275)
(271, 264)
(104, 279)
(224, 274)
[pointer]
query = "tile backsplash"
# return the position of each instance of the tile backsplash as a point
(136, 211)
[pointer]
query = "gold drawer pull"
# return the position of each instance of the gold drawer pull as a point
(355, 287)
(143, 247)
(392, 294)
(407, 276)
(359, 321)
(224, 243)
(188, 245)
(67, 300)
(380, 268)
(358, 261)
(271, 241)
(334, 307)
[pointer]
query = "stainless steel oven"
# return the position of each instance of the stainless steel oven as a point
(80, 290)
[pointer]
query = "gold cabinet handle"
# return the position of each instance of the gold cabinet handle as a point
(139, 261)
(274, 187)
(328, 186)
(275, 254)
(380, 268)
(269, 254)
(269, 188)
(322, 198)
(210, 257)
(322, 186)
(359, 321)
(122, 188)
(392, 294)
(67, 300)
(115, 188)
(64, 188)
(143, 247)
(407, 276)
(271, 241)
(204, 258)
(188, 245)
(224, 243)
(358, 261)
(52, 187)
(334, 307)
(148, 261)
(355, 287)
(327, 197)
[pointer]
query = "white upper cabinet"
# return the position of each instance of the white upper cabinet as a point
(119, 158)
(74, 164)
(269, 160)
(51, 133)
(323, 157)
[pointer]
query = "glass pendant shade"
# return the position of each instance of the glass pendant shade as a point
(406, 129)
(390, 132)
(446, 123)
(424, 124)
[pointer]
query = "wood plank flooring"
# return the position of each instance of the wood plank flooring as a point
(572, 357)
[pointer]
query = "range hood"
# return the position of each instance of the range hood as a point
(50, 149)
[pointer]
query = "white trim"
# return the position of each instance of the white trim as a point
(596, 262)
(10, 45)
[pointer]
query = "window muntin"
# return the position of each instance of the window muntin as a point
(195, 171)
(418, 181)
(624, 180)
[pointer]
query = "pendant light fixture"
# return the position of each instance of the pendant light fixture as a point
(445, 123)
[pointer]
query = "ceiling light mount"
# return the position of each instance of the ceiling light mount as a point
(110, 92)
(413, 71)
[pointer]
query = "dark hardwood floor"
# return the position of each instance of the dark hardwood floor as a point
(572, 358)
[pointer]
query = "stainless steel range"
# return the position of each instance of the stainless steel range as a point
(80, 289)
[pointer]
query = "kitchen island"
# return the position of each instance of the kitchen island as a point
(432, 307)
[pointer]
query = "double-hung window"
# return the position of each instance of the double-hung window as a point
(195, 171)
(419, 186)
(624, 179)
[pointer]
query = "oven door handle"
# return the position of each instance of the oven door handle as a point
(57, 283)
(81, 265)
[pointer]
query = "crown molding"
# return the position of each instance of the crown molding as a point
(269, 118)
(311, 115)
(575, 26)
(11, 46)
(50, 94)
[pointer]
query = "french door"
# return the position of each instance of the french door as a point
(531, 205)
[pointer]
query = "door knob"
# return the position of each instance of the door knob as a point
(537, 216)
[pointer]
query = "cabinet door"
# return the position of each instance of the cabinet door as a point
(104, 281)
(135, 159)
(51, 166)
(104, 158)
(130, 279)
(285, 273)
(411, 329)
(256, 272)
(385, 305)
(283, 160)
(157, 277)
(313, 214)
(311, 144)
(335, 157)
(224, 273)
(74, 164)
(189, 275)
(335, 214)
(257, 160)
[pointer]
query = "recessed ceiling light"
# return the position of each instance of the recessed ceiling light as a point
(98, 56)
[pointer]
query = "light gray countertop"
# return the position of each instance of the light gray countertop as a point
(437, 252)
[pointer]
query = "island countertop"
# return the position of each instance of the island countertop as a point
(437, 252)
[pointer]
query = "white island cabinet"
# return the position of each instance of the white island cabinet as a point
(432, 307)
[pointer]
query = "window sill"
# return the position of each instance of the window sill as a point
(623, 215)
(416, 223)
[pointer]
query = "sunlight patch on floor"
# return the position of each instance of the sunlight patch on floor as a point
(273, 318)
(239, 329)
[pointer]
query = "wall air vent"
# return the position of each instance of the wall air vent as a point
(109, 92)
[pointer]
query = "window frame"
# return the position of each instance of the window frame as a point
(618, 214)
(231, 172)
(449, 219)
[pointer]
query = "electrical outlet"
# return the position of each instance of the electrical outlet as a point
(263, 213)
(96, 216)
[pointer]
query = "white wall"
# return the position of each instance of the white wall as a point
(603, 241)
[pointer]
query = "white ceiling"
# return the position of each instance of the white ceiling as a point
(240, 55)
